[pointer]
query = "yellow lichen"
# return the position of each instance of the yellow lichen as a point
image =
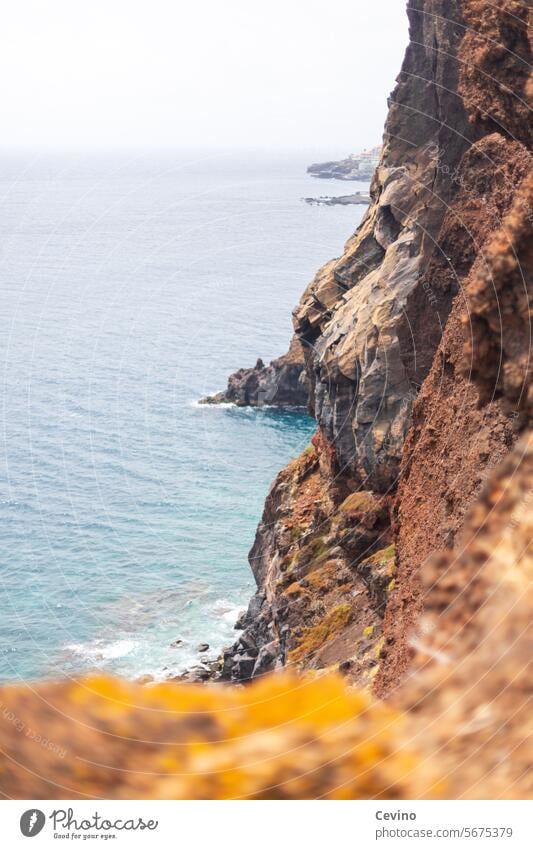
(284, 737)
(295, 589)
(321, 577)
(361, 502)
(384, 557)
(315, 636)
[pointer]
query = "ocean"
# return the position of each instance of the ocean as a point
(132, 285)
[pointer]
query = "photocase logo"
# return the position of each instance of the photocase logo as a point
(32, 822)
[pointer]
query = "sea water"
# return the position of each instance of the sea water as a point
(132, 285)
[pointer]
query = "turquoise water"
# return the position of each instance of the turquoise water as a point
(132, 286)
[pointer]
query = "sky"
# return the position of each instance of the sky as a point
(168, 74)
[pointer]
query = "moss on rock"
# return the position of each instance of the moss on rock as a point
(314, 637)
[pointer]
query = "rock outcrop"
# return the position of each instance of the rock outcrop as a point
(323, 561)
(358, 198)
(283, 383)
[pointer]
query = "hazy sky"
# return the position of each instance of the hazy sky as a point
(209, 73)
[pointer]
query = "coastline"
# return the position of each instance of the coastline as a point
(339, 200)
(343, 520)
(387, 647)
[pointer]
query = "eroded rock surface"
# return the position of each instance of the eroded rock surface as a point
(416, 344)
(283, 383)
(323, 562)
(357, 316)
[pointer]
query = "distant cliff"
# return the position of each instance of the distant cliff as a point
(358, 166)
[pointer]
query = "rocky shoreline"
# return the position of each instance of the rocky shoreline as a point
(283, 383)
(341, 200)
(358, 166)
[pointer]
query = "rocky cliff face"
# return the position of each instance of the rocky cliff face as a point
(323, 561)
(416, 345)
(371, 320)
(476, 398)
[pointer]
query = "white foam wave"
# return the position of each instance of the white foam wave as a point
(100, 650)
(227, 610)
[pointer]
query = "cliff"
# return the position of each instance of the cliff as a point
(397, 550)
(404, 339)
(357, 166)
